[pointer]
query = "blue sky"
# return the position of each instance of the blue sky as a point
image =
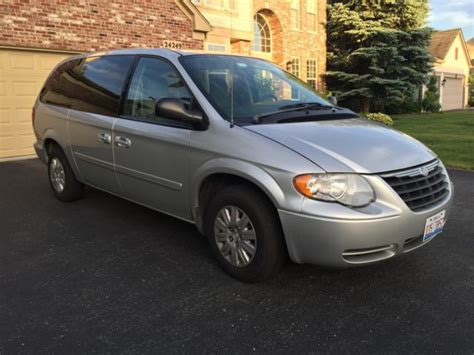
(447, 14)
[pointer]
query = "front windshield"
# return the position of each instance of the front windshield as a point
(258, 87)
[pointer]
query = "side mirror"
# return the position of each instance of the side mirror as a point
(174, 109)
(332, 100)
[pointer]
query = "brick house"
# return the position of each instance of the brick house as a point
(291, 33)
(36, 34)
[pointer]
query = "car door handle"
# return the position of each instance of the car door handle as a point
(122, 142)
(104, 138)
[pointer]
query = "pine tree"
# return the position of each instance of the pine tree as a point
(377, 51)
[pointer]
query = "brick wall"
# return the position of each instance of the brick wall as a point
(302, 43)
(93, 25)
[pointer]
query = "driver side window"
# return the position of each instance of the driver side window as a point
(152, 80)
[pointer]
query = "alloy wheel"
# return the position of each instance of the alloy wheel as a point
(235, 236)
(57, 175)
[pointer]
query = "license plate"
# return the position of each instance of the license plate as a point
(434, 225)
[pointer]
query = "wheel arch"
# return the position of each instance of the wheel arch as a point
(50, 138)
(218, 172)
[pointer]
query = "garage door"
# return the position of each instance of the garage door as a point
(452, 94)
(22, 74)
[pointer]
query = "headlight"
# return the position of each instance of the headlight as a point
(347, 189)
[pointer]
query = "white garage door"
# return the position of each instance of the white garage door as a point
(22, 74)
(452, 94)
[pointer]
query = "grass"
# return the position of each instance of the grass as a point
(449, 134)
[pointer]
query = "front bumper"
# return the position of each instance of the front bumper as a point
(356, 238)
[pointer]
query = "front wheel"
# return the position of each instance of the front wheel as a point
(245, 234)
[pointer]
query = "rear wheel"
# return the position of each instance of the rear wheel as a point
(64, 184)
(244, 233)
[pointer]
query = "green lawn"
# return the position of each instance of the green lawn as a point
(450, 135)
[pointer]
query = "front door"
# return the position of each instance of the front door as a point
(152, 152)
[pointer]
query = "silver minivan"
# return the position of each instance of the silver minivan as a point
(262, 165)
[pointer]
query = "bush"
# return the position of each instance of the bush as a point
(408, 105)
(380, 117)
(431, 100)
(471, 91)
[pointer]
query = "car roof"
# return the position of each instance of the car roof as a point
(163, 52)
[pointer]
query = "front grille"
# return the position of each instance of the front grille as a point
(421, 188)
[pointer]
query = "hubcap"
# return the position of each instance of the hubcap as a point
(235, 236)
(57, 175)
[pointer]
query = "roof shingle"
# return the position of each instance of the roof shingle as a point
(441, 41)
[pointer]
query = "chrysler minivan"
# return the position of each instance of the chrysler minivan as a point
(261, 164)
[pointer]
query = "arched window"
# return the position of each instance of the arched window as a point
(262, 41)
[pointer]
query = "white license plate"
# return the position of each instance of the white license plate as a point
(434, 225)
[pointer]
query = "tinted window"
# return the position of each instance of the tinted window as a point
(93, 84)
(59, 90)
(154, 79)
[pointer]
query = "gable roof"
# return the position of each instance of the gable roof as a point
(441, 42)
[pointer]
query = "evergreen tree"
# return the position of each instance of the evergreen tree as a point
(377, 51)
(431, 100)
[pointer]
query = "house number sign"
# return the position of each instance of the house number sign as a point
(172, 44)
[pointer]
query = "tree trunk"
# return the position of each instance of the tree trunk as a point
(364, 105)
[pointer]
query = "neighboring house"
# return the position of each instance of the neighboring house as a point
(470, 49)
(452, 66)
(291, 33)
(35, 36)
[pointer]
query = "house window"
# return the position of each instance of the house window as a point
(262, 41)
(222, 4)
(295, 66)
(212, 47)
(311, 73)
(311, 15)
(456, 53)
(295, 14)
(215, 3)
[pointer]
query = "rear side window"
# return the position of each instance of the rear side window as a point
(92, 84)
(59, 89)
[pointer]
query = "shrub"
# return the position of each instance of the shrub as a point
(380, 117)
(431, 100)
(471, 91)
(408, 105)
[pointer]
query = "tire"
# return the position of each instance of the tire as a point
(270, 252)
(61, 178)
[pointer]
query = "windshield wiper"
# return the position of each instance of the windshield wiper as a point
(303, 106)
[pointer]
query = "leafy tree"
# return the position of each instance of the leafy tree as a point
(377, 51)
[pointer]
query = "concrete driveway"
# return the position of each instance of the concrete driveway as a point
(105, 275)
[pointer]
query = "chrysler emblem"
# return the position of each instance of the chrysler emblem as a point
(424, 171)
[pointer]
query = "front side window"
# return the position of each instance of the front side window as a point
(92, 84)
(261, 38)
(241, 87)
(152, 80)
